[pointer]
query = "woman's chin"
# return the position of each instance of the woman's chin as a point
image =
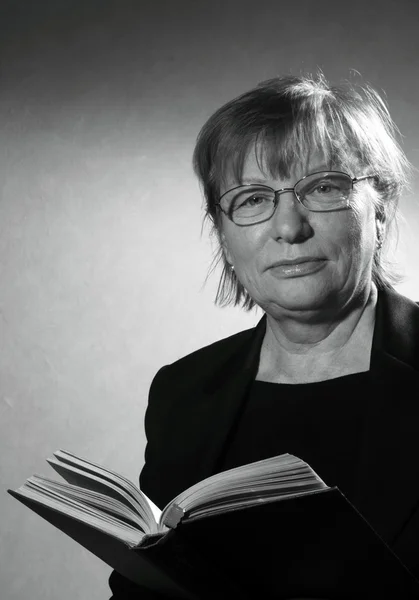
(303, 300)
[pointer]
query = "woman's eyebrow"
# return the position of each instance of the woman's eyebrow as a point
(254, 180)
(316, 169)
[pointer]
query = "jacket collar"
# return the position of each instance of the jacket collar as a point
(396, 336)
(395, 342)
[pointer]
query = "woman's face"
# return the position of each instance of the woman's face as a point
(336, 248)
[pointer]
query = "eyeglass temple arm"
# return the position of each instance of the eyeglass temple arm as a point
(356, 179)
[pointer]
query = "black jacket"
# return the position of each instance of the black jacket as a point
(195, 402)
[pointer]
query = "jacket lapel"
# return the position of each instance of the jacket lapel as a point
(225, 396)
(205, 402)
(388, 484)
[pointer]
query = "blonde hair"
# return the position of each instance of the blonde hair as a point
(287, 117)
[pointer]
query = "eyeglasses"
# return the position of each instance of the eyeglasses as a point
(324, 191)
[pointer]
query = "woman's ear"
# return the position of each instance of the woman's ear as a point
(226, 251)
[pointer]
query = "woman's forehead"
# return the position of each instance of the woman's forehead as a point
(258, 169)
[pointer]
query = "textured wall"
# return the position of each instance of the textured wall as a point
(101, 256)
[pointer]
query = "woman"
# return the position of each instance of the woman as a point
(301, 182)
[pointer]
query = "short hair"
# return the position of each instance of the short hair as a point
(287, 117)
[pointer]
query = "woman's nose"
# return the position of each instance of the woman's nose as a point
(289, 221)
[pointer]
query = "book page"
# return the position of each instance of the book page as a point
(154, 508)
(84, 473)
(280, 476)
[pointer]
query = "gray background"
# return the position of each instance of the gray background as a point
(101, 256)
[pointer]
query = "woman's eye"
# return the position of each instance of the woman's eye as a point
(254, 200)
(324, 188)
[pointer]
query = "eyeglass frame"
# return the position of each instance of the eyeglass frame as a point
(291, 189)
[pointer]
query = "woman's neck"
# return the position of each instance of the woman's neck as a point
(296, 352)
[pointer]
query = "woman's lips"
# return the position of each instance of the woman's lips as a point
(299, 269)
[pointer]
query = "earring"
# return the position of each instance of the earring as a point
(232, 267)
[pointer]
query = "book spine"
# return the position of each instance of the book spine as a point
(174, 516)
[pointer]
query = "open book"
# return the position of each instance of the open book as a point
(260, 520)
